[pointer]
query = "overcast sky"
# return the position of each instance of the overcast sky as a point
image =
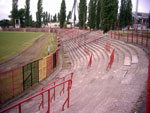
(53, 6)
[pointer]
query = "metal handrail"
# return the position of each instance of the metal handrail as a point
(39, 93)
(54, 82)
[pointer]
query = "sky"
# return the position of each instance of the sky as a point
(53, 6)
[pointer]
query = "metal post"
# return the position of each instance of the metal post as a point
(148, 89)
(142, 34)
(137, 33)
(48, 110)
(13, 82)
(19, 108)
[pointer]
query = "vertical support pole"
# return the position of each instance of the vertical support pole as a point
(69, 83)
(115, 30)
(142, 34)
(48, 110)
(128, 32)
(132, 31)
(148, 89)
(137, 33)
(19, 108)
(31, 75)
(63, 85)
(13, 83)
(23, 78)
(147, 38)
(54, 91)
(118, 30)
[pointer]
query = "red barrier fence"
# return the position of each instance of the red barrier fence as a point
(69, 81)
(90, 61)
(133, 32)
(53, 83)
(111, 60)
(148, 89)
(11, 84)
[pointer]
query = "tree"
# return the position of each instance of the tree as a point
(92, 14)
(27, 13)
(44, 17)
(14, 12)
(5, 23)
(125, 16)
(58, 17)
(98, 10)
(128, 15)
(122, 13)
(21, 16)
(82, 13)
(69, 16)
(109, 11)
(49, 18)
(39, 13)
(62, 14)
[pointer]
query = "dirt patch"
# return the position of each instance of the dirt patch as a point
(26, 56)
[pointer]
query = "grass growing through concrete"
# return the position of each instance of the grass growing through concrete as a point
(15, 42)
(52, 42)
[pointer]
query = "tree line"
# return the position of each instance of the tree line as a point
(23, 14)
(100, 14)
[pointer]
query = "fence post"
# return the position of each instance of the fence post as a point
(115, 30)
(142, 34)
(48, 110)
(31, 75)
(13, 82)
(118, 30)
(128, 32)
(137, 33)
(19, 108)
(147, 38)
(148, 89)
(132, 31)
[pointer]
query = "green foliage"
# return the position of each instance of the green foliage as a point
(109, 11)
(82, 13)
(69, 16)
(39, 13)
(5, 23)
(125, 16)
(92, 14)
(15, 42)
(98, 10)
(62, 14)
(55, 18)
(21, 16)
(14, 12)
(58, 17)
(27, 13)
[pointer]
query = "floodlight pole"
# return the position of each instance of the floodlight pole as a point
(137, 3)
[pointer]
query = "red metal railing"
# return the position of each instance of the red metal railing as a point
(53, 83)
(111, 60)
(42, 92)
(148, 89)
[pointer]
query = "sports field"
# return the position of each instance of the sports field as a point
(14, 42)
